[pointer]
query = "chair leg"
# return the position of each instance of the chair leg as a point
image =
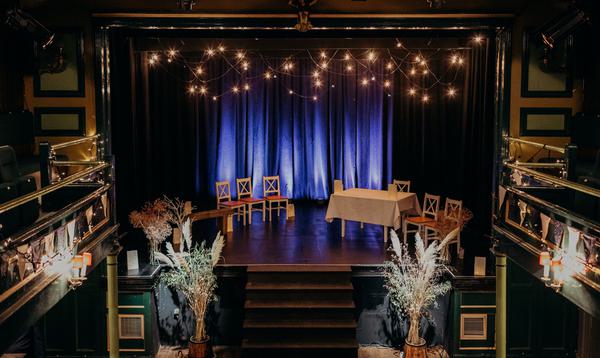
(458, 245)
(286, 211)
(249, 209)
(244, 212)
(362, 225)
(264, 204)
(404, 228)
(278, 207)
(270, 211)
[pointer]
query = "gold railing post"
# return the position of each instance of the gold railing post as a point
(112, 303)
(500, 305)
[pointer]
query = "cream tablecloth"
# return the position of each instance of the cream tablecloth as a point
(369, 206)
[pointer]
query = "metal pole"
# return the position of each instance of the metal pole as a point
(112, 302)
(500, 306)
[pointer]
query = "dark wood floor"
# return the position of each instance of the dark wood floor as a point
(305, 239)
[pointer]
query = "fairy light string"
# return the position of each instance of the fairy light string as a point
(377, 67)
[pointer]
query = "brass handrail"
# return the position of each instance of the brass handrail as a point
(556, 181)
(75, 162)
(51, 188)
(52, 218)
(540, 165)
(74, 142)
(536, 144)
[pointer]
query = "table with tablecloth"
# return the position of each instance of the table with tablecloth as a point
(379, 207)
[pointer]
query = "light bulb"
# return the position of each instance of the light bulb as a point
(268, 75)
(387, 83)
(247, 87)
(203, 90)
(451, 92)
(364, 82)
(398, 44)
(214, 98)
(318, 83)
(425, 71)
(316, 74)
(347, 57)
(412, 91)
(199, 70)
(314, 98)
(172, 52)
(221, 48)
(239, 55)
(323, 54)
(413, 71)
(371, 56)
(235, 89)
(425, 98)
(192, 89)
(389, 66)
(210, 52)
(291, 92)
(323, 64)
(349, 68)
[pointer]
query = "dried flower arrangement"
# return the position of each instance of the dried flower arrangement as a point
(153, 219)
(414, 283)
(196, 280)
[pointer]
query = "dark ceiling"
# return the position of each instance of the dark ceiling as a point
(281, 6)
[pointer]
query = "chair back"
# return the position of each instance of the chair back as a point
(431, 206)
(244, 187)
(223, 191)
(338, 186)
(403, 186)
(453, 210)
(271, 186)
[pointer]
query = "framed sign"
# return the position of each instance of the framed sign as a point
(60, 68)
(545, 122)
(60, 121)
(546, 73)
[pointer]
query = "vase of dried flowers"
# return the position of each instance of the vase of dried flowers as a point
(154, 220)
(196, 280)
(413, 284)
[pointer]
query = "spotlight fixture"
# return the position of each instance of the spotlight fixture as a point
(18, 19)
(562, 26)
(436, 3)
(187, 5)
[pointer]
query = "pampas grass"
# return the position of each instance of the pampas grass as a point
(414, 283)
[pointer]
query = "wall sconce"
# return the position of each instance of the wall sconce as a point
(557, 273)
(545, 261)
(79, 269)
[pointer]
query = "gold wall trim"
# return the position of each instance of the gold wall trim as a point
(477, 306)
(132, 307)
(294, 16)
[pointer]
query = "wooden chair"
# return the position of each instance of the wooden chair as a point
(244, 194)
(431, 206)
(272, 194)
(338, 186)
(402, 185)
(452, 219)
(224, 200)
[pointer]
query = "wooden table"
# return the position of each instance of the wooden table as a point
(379, 207)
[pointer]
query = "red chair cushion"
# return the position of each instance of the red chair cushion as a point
(231, 203)
(251, 200)
(275, 197)
(419, 219)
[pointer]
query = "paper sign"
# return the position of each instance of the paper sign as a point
(132, 260)
(479, 266)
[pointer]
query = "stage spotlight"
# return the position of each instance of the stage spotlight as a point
(561, 26)
(17, 19)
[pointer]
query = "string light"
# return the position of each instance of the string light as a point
(172, 53)
(221, 48)
(371, 56)
(240, 55)
(323, 54)
(451, 92)
(418, 59)
(316, 73)
(268, 75)
(154, 57)
(169, 60)
(245, 65)
(210, 52)
(389, 66)
(235, 89)
(214, 98)
(364, 82)
(192, 89)
(288, 66)
(478, 39)
(246, 87)
(412, 91)
(323, 64)
(454, 59)
(152, 61)
(347, 57)
(203, 90)
(425, 98)
(413, 71)
(314, 98)
(398, 44)
(318, 83)
(349, 68)
(373, 78)
(423, 62)
(387, 84)
(460, 60)
(199, 70)
(425, 71)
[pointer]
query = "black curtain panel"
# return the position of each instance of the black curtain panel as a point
(439, 136)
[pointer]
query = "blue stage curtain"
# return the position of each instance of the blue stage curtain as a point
(344, 134)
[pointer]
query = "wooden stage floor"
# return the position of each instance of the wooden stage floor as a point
(305, 239)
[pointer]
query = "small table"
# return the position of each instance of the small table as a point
(379, 207)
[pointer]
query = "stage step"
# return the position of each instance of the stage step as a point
(299, 311)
